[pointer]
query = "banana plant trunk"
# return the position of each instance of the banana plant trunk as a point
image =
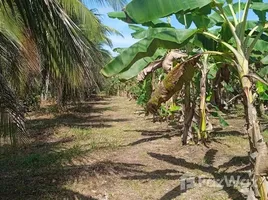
(216, 92)
(258, 148)
(188, 114)
(202, 108)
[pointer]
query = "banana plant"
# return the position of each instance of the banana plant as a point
(226, 24)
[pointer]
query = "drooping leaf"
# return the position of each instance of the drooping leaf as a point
(140, 65)
(226, 33)
(139, 31)
(143, 11)
(260, 14)
(260, 6)
(10, 110)
(166, 63)
(168, 38)
(173, 83)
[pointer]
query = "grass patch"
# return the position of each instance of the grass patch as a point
(90, 138)
(265, 135)
(45, 159)
(76, 133)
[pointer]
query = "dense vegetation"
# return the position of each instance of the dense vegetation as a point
(51, 52)
(222, 39)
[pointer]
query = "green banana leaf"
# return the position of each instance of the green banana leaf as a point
(168, 38)
(142, 11)
(261, 45)
(139, 31)
(260, 6)
(138, 66)
(124, 17)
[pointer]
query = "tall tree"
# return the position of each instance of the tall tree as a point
(59, 39)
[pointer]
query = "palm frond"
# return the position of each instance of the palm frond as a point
(55, 38)
(11, 113)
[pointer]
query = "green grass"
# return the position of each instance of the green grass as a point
(265, 135)
(81, 142)
(44, 159)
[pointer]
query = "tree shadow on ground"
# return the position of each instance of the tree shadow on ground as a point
(210, 156)
(41, 168)
(82, 116)
(45, 174)
(154, 135)
(42, 125)
(232, 192)
(89, 107)
(225, 133)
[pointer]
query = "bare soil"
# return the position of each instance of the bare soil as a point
(107, 149)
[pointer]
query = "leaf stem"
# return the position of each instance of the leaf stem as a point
(233, 13)
(244, 21)
(210, 35)
(237, 40)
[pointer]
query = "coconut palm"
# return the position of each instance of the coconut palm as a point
(56, 39)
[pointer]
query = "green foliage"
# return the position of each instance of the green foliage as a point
(217, 114)
(138, 66)
(146, 90)
(59, 39)
(112, 86)
(167, 38)
(174, 108)
(262, 90)
(160, 8)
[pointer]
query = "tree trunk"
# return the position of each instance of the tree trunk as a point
(258, 148)
(202, 108)
(260, 108)
(46, 88)
(216, 90)
(60, 95)
(188, 114)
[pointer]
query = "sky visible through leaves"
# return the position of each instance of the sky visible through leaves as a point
(122, 27)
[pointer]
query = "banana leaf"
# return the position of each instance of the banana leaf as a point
(168, 38)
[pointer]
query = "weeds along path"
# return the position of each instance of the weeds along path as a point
(107, 149)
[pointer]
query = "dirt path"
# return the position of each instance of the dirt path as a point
(105, 150)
